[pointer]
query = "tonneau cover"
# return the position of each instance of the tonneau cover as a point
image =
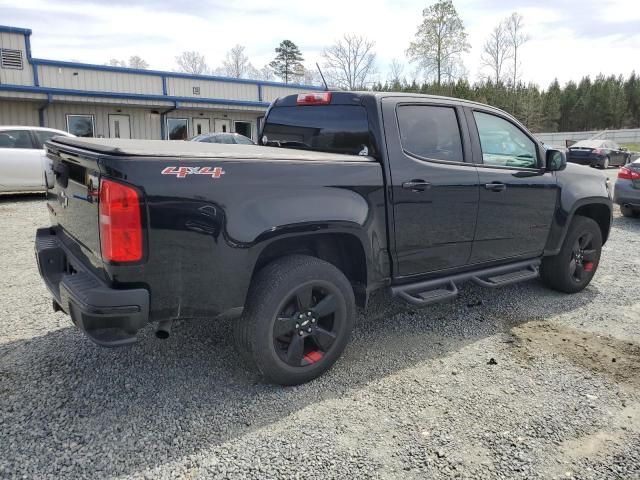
(180, 148)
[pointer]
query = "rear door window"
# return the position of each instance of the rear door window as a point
(430, 132)
(328, 128)
(15, 139)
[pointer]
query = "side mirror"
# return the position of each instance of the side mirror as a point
(556, 160)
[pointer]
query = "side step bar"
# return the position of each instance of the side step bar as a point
(440, 289)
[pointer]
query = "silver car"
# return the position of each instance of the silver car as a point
(22, 158)
(627, 189)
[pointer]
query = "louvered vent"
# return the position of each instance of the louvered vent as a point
(11, 58)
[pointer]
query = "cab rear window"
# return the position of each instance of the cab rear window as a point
(326, 128)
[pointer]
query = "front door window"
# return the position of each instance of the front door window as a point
(503, 144)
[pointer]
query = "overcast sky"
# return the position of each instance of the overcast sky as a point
(569, 38)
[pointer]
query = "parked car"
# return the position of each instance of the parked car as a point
(627, 189)
(228, 138)
(22, 158)
(597, 153)
(411, 193)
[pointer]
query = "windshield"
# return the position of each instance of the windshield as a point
(329, 128)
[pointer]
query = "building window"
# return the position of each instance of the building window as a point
(11, 58)
(177, 128)
(243, 128)
(81, 125)
(196, 90)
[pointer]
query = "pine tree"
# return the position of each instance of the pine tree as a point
(551, 107)
(288, 62)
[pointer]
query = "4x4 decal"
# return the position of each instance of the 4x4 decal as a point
(182, 172)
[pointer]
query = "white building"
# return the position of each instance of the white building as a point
(98, 100)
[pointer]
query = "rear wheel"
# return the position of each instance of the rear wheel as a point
(572, 269)
(629, 212)
(298, 319)
(605, 163)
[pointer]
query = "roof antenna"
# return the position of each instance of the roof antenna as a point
(323, 80)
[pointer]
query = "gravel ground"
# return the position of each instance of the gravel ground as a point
(521, 382)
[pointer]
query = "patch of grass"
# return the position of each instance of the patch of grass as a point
(633, 147)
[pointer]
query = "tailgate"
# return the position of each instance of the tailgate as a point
(72, 181)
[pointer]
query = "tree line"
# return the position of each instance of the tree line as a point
(606, 102)
(436, 66)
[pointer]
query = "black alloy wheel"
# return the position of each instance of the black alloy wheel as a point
(583, 256)
(307, 326)
(297, 320)
(574, 266)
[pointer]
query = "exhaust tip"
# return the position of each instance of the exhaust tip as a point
(162, 334)
(163, 329)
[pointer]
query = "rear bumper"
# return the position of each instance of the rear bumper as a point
(593, 161)
(110, 317)
(624, 193)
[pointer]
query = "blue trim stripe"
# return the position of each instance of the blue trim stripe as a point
(138, 71)
(8, 29)
(131, 96)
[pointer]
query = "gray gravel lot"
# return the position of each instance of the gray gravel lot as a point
(416, 394)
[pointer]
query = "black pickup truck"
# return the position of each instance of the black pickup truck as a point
(347, 193)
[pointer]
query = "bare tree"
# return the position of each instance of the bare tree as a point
(440, 42)
(114, 62)
(311, 76)
(236, 63)
(266, 73)
(396, 72)
(137, 62)
(350, 62)
(496, 52)
(192, 62)
(134, 62)
(516, 37)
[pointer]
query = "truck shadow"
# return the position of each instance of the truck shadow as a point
(130, 410)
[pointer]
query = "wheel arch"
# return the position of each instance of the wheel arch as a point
(597, 208)
(344, 250)
(599, 212)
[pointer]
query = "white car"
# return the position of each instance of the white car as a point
(22, 158)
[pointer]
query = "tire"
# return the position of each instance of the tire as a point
(605, 163)
(572, 269)
(629, 212)
(271, 335)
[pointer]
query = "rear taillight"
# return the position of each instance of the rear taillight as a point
(323, 98)
(628, 174)
(120, 222)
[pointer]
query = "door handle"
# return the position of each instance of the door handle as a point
(416, 185)
(496, 187)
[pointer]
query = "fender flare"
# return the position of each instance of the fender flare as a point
(561, 225)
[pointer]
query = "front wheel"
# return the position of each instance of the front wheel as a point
(572, 269)
(298, 318)
(605, 163)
